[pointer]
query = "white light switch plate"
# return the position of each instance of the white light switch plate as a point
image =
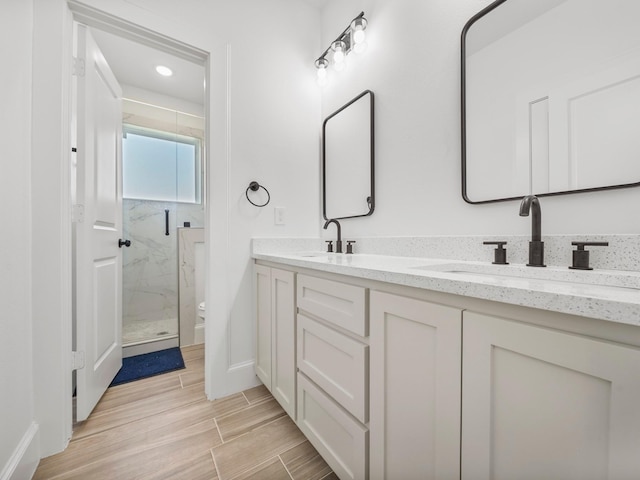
(278, 215)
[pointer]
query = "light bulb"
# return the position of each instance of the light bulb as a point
(358, 27)
(338, 48)
(321, 65)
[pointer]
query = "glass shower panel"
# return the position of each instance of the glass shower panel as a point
(162, 166)
(150, 290)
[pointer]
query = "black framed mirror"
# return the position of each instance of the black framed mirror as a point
(348, 160)
(550, 98)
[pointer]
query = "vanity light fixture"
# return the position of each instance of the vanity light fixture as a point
(351, 39)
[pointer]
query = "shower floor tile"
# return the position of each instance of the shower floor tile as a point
(146, 330)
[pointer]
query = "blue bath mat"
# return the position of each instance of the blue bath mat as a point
(148, 365)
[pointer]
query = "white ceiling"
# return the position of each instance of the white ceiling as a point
(134, 64)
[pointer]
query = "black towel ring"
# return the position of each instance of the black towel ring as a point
(254, 187)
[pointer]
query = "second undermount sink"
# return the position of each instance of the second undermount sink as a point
(603, 280)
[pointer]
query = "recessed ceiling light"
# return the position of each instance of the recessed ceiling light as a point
(164, 71)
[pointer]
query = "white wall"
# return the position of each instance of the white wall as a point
(263, 125)
(16, 346)
(412, 64)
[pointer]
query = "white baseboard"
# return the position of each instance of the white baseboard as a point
(25, 458)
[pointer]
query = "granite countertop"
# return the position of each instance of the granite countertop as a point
(612, 295)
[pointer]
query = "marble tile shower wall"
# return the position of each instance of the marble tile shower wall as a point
(150, 266)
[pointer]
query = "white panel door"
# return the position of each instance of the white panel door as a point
(540, 403)
(98, 225)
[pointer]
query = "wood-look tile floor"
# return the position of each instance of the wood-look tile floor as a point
(164, 428)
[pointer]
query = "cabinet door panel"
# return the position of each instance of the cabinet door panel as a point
(342, 442)
(415, 389)
(283, 335)
(540, 403)
(262, 295)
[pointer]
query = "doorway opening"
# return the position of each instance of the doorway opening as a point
(163, 149)
(170, 114)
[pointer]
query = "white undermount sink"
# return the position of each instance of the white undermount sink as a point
(601, 279)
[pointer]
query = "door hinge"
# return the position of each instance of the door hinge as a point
(77, 360)
(77, 214)
(78, 67)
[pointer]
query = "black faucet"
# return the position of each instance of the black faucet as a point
(536, 245)
(339, 241)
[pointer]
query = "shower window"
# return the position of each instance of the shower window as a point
(161, 166)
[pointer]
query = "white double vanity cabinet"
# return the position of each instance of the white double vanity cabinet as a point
(394, 382)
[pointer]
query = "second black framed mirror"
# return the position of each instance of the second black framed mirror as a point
(550, 95)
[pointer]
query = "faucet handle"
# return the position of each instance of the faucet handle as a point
(500, 253)
(581, 256)
(329, 246)
(350, 246)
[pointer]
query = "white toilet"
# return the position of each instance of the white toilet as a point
(199, 328)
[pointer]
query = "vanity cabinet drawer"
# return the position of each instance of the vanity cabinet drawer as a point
(336, 363)
(341, 304)
(342, 442)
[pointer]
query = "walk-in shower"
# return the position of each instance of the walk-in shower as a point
(162, 187)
